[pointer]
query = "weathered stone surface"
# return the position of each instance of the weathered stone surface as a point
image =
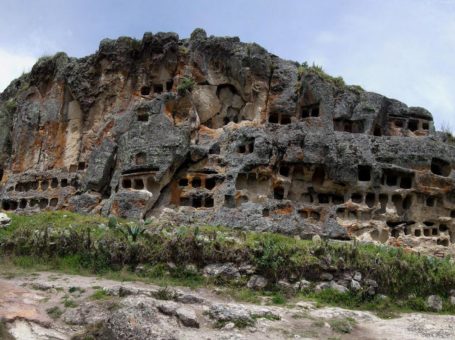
(257, 282)
(4, 220)
(253, 142)
(168, 307)
(331, 285)
(355, 285)
(434, 302)
(137, 318)
(187, 317)
(231, 313)
(226, 270)
(86, 314)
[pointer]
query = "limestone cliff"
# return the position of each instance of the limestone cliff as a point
(212, 130)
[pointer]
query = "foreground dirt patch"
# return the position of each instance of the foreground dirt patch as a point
(109, 309)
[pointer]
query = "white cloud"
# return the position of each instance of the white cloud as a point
(401, 50)
(12, 65)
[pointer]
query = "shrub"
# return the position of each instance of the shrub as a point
(54, 312)
(165, 293)
(342, 325)
(99, 294)
(11, 105)
(186, 86)
(447, 129)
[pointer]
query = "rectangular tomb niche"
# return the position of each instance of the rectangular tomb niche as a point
(418, 126)
(255, 183)
(246, 147)
(195, 189)
(307, 111)
(397, 178)
(364, 173)
(440, 167)
(280, 118)
(346, 125)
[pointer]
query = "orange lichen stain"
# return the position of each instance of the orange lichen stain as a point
(286, 210)
(205, 131)
(106, 132)
(56, 142)
(421, 133)
(176, 192)
(198, 75)
(115, 208)
(351, 206)
(431, 181)
(394, 131)
(395, 242)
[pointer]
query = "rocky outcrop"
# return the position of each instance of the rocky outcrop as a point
(212, 130)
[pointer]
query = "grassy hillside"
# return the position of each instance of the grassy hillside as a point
(86, 244)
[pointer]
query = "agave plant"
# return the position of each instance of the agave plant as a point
(132, 231)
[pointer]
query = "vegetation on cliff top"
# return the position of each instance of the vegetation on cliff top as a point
(92, 244)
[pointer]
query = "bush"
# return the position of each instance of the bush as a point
(186, 86)
(99, 294)
(447, 129)
(54, 312)
(342, 325)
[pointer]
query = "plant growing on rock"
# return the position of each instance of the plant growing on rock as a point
(186, 86)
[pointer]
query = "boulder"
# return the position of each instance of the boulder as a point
(452, 300)
(434, 303)
(355, 285)
(302, 285)
(257, 282)
(286, 287)
(225, 270)
(231, 313)
(357, 276)
(189, 299)
(331, 285)
(4, 220)
(88, 313)
(168, 307)
(326, 277)
(187, 317)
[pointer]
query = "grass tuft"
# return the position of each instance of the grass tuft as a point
(54, 312)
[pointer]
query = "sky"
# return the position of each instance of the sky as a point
(403, 49)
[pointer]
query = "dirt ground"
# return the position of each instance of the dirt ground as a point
(26, 299)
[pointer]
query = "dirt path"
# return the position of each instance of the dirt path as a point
(132, 309)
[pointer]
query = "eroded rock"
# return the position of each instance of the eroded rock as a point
(211, 130)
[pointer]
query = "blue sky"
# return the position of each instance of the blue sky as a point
(403, 49)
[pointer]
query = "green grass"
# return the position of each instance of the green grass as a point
(318, 70)
(69, 303)
(100, 294)
(343, 325)
(165, 293)
(186, 86)
(384, 307)
(278, 299)
(75, 289)
(54, 312)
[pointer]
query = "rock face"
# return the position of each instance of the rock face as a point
(212, 130)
